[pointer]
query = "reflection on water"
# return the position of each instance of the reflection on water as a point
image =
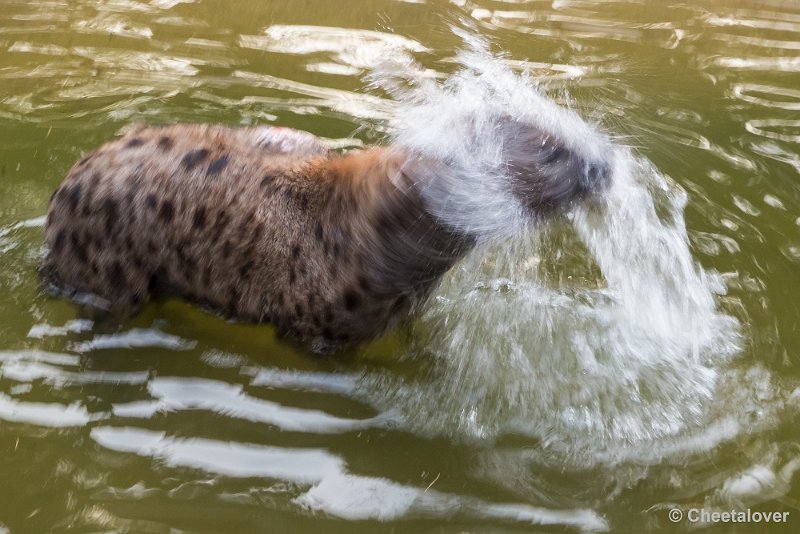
(333, 490)
(352, 50)
(549, 383)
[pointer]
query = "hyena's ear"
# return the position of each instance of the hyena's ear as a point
(393, 163)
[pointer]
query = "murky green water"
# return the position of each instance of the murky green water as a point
(180, 421)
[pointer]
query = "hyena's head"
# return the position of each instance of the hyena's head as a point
(486, 175)
(546, 171)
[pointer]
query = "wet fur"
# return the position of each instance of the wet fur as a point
(267, 225)
(323, 245)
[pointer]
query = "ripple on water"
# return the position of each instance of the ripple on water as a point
(60, 370)
(767, 96)
(45, 414)
(333, 490)
(352, 50)
(176, 394)
(136, 337)
(583, 370)
(787, 130)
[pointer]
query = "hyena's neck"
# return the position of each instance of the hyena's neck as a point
(406, 249)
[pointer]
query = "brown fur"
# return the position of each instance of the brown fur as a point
(330, 248)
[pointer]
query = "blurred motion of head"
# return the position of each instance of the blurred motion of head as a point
(488, 152)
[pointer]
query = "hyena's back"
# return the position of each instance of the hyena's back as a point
(188, 209)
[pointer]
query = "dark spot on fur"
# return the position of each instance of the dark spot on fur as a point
(157, 281)
(351, 300)
(266, 180)
(316, 320)
(128, 243)
(218, 165)
(116, 275)
(187, 263)
(244, 270)
(233, 293)
(151, 247)
(110, 215)
(296, 251)
(343, 337)
(384, 224)
(95, 268)
(58, 244)
(399, 305)
(256, 234)
(328, 313)
(74, 197)
(90, 190)
(318, 232)
(165, 143)
(327, 332)
(193, 158)
(298, 310)
(219, 226)
(227, 249)
(279, 298)
(167, 211)
(292, 276)
(302, 201)
(134, 143)
(336, 250)
(150, 201)
(249, 253)
(188, 267)
(310, 299)
(363, 283)
(199, 219)
(78, 248)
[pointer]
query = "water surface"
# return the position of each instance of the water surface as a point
(524, 398)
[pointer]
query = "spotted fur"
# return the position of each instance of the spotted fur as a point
(261, 224)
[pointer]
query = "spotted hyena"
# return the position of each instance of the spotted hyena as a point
(268, 225)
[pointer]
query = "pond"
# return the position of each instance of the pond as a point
(525, 396)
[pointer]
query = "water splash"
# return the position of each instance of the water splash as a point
(594, 336)
(463, 123)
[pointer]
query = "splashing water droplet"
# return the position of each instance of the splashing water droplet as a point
(626, 351)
